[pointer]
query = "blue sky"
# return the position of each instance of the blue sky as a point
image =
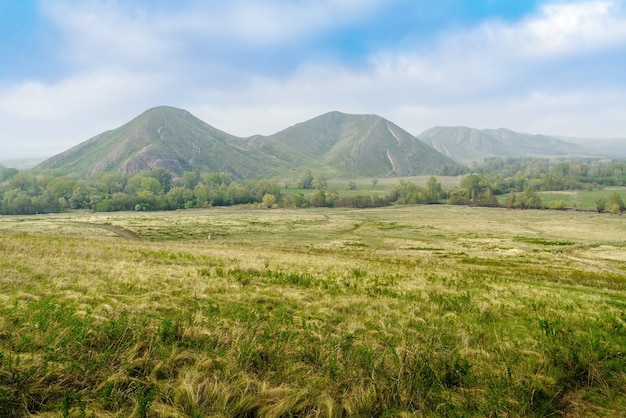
(71, 69)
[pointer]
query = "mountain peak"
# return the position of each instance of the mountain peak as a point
(162, 136)
(165, 110)
(354, 145)
(337, 143)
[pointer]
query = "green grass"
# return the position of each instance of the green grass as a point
(413, 311)
(585, 199)
(366, 187)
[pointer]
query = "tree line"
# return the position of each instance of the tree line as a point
(517, 174)
(48, 191)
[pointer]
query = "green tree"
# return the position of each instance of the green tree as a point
(511, 200)
(152, 185)
(332, 197)
(474, 184)
(601, 203)
(298, 200)
(216, 179)
(530, 200)
(81, 196)
(133, 185)
(259, 188)
(319, 181)
(614, 209)
(180, 197)
(163, 176)
(616, 199)
(305, 179)
(17, 202)
(237, 194)
(405, 193)
(458, 196)
(318, 199)
(190, 179)
(110, 183)
(26, 182)
(62, 187)
(7, 173)
(434, 191)
(268, 201)
(487, 198)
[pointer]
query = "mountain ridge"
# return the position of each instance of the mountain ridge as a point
(470, 145)
(338, 143)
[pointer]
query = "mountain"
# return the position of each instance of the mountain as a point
(353, 145)
(164, 137)
(467, 145)
(21, 163)
(336, 143)
(601, 147)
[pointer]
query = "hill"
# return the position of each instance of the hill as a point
(467, 145)
(337, 143)
(353, 145)
(162, 137)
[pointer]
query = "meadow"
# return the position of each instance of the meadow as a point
(399, 311)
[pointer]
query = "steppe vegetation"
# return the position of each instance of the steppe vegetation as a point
(426, 310)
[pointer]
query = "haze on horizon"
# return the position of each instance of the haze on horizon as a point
(74, 68)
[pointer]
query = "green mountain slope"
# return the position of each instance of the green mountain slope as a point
(163, 137)
(467, 145)
(336, 143)
(353, 145)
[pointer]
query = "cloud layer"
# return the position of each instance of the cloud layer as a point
(249, 68)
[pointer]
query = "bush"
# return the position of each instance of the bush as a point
(556, 204)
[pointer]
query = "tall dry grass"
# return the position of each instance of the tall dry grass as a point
(414, 311)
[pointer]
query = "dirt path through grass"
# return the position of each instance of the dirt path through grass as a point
(115, 229)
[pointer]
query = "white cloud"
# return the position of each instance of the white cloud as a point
(105, 33)
(59, 115)
(497, 74)
(530, 75)
(493, 56)
(571, 29)
(273, 105)
(276, 21)
(557, 30)
(491, 76)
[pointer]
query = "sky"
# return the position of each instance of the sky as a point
(71, 69)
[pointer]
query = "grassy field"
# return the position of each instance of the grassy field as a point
(371, 186)
(585, 199)
(399, 311)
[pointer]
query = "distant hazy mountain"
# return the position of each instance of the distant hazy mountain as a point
(604, 147)
(21, 163)
(467, 145)
(341, 144)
